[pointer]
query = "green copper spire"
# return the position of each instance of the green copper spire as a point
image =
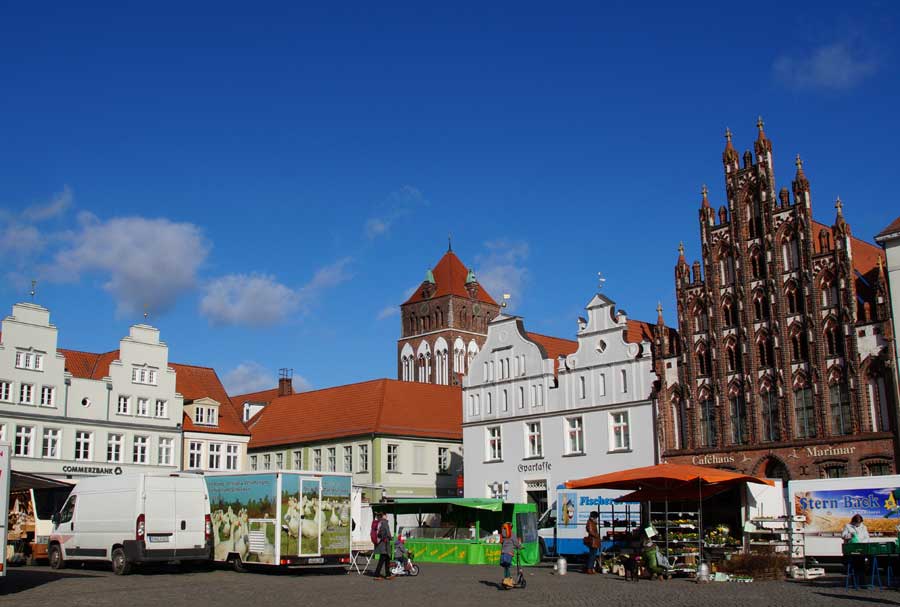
(429, 276)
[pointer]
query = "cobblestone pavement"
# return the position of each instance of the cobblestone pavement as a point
(437, 585)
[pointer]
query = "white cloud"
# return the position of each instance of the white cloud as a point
(247, 299)
(150, 262)
(501, 269)
(325, 278)
(259, 300)
(387, 312)
(401, 202)
(835, 66)
(250, 376)
(57, 206)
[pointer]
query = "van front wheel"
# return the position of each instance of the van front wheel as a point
(55, 557)
(120, 564)
(238, 565)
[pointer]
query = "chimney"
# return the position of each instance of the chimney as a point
(285, 382)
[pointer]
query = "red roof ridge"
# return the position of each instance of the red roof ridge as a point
(892, 227)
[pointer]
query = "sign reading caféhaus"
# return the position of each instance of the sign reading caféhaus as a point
(813, 451)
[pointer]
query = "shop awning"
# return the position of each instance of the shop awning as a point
(20, 481)
(414, 505)
(665, 478)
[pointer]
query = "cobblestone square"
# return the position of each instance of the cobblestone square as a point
(437, 585)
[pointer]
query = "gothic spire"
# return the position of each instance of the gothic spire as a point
(730, 155)
(762, 144)
(704, 193)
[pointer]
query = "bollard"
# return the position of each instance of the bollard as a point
(561, 565)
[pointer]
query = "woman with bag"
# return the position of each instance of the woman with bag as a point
(592, 541)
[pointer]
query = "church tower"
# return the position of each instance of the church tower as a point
(443, 324)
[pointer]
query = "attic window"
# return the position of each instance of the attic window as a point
(142, 374)
(601, 346)
(206, 416)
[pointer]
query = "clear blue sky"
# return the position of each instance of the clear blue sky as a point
(273, 180)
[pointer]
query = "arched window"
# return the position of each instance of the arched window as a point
(765, 350)
(738, 418)
(840, 408)
(701, 319)
(707, 422)
(760, 306)
(799, 344)
(829, 292)
(756, 264)
(731, 354)
(833, 341)
(804, 410)
(726, 265)
(489, 405)
(771, 418)
(704, 367)
(680, 419)
(878, 407)
(521, 402)
(505, 401)
(729, 314)
(792, 294)
(790, 251)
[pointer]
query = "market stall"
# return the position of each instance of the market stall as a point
(467, 531)
(682, 532)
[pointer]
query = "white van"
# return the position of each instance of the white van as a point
(133, 519)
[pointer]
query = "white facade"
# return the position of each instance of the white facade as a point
(210, 451)
(402, 466)
(65, 426)
(596, 417)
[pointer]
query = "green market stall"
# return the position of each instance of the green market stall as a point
(466, 534)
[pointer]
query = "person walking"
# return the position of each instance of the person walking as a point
(592, 540)
(383, 549)
(508, 548)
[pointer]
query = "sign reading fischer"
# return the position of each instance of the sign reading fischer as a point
(535, 467)
(91, 470)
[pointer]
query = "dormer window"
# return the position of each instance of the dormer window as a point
(142, 374)
(206, 415)
(29, 359)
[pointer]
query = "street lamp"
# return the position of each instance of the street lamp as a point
(505, 490)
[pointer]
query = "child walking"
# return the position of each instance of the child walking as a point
(507, 550)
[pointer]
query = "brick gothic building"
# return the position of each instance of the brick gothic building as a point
(784, 329)
(444, 324)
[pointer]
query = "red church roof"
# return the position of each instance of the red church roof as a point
(381, 406)
(450, 279)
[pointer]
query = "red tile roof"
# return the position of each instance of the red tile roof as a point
(202, 382)
(450, 279)
(191, 381)
(554, 346)
(893, 227)
(262, 396)
(638, 331)
(381, 406)
(865, 261)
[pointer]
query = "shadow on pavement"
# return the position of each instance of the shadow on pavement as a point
(19, 580)
(496, 585)
(863, 599)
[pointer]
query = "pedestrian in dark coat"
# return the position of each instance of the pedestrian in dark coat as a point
(383, 549)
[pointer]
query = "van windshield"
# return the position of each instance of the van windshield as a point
(47, 502)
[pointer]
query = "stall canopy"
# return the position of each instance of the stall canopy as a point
(21, 481)
(665, 480)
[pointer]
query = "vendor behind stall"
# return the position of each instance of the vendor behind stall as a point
(855, 531)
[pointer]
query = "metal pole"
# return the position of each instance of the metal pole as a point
(700, 522)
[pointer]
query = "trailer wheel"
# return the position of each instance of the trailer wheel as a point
(238, 564)
(55, 557)
(120, 563)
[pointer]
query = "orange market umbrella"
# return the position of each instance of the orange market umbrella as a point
(664, 481)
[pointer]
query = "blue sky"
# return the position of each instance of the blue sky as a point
(272, 180)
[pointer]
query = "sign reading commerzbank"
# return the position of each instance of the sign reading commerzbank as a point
(713, 459)
(91, 470)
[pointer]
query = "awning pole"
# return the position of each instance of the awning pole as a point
(700, 521)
